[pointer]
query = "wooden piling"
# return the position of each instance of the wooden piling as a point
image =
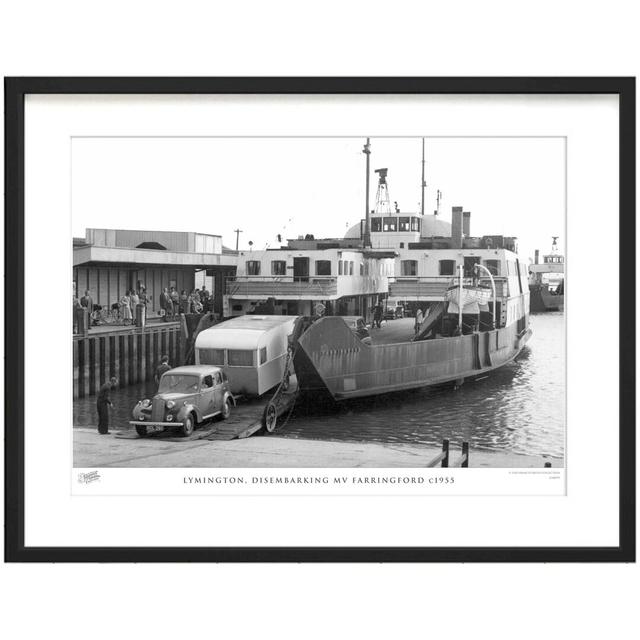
(445, 451)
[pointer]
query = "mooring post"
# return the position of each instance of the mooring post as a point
(445, 451)
(465, 454)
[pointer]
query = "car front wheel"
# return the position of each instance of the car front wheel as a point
(141, 430)
(188, 425)
(226, 409)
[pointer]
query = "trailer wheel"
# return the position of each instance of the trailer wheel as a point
(270, 418)
(141, 430)
(188, 425)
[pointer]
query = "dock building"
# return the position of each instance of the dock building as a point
(109, 262)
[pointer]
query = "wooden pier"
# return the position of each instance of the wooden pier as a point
(130, 354)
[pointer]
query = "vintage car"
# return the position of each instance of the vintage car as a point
(187, 396)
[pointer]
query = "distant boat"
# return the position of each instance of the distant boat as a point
(546, 281)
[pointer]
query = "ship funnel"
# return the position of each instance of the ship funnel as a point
(466, 224)
(456, 227)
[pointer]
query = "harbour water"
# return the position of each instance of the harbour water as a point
(520, 408)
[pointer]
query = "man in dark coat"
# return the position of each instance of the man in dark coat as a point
(103, 402)
(162, 368)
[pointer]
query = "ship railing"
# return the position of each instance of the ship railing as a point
(435, 287)
(275, 286)
(443, 456)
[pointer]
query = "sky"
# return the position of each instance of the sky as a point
(295, 186)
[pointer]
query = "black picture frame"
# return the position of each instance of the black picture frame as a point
(15, 91)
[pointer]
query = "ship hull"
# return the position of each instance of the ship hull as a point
(543, 300)
(330, 361)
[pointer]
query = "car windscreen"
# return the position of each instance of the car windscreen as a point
(172, 383)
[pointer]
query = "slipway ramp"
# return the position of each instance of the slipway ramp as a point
(429, 323)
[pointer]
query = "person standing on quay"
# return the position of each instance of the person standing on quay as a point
(165, 303)
(125, 307)
(162, 368)
(175, 302)
(103, 403)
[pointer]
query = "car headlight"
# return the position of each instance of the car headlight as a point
(146, 402)
(170, 404)
(141, 418)
(169, 418)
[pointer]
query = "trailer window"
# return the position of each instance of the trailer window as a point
(211, 356)
(240, 357)
(263, 355)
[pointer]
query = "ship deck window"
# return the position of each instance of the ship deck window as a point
(390, 224)
(409, 267)
(493, 266)
(376, 224)
(351, 268)
(415, 224)
(323, 267)
(253, 267)
(404, 224)
(469, 263)
(447, 267)
(278, 267)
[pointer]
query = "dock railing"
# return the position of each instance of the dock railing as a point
(443, 456)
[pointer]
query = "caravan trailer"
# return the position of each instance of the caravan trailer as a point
(251, 349)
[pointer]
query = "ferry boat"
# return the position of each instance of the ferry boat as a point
(471, 292)
(546, 281)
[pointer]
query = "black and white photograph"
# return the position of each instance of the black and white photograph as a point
(339, 312)
(319, 302)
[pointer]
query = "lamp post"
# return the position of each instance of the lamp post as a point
(367, 220)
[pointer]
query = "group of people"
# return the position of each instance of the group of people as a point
(129, 301)
(173, 303)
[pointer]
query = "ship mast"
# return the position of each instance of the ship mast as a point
(423, 183)
(367, 220)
